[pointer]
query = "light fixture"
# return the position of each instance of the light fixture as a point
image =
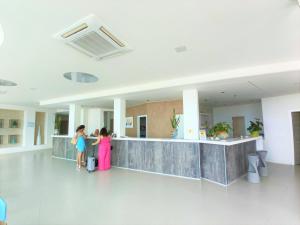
(1, 35)
(222, 92)
(7, 83)
(80, 77)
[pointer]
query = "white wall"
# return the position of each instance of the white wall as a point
(94, 120)
(249, 111)
(29, 127)
(278, 127)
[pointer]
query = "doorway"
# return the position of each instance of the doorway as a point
(142, 126)
(238, 125)
(296, 135)
(39, 131)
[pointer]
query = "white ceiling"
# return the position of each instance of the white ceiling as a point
(219, 36)
(236, 91)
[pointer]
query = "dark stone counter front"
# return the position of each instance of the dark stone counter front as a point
(219, 163)
(62, 148)
(172, 158)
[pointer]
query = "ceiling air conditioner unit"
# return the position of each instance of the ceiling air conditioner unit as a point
(93, 38)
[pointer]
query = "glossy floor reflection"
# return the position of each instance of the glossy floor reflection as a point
(41, 190)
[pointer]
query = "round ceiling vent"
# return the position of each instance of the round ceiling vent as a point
(81, 77)
(1, 35)
(7, 83)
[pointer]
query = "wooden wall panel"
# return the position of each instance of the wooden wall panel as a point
(158, 117)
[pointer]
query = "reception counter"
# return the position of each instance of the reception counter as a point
(221, 162)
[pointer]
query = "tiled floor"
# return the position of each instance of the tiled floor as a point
(41, 190)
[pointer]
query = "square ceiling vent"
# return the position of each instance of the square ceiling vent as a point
(92, 37)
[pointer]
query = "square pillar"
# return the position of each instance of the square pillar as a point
(191, 114)
(29, 127)
(74, 118)
(119, 116)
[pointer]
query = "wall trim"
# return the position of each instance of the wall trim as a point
(20, 149)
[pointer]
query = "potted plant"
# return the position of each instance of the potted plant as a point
(14, 124)
(211, 133)
(222, 130)
(57, 125)
(255, 128)
(174, 123)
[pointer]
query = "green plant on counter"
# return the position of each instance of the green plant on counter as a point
(222, 127)
(174, 121)
(222, 130)
(57, 123)
(255, 127)
(211, 133)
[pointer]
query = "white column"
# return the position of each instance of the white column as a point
(191, 114)
(29, 127)
(49, 127)
(101, 118)
(74, 118)
(119, 116)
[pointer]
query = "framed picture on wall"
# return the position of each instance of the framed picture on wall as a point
(129, 122)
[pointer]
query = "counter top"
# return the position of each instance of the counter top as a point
(227, 142)
(66, 136)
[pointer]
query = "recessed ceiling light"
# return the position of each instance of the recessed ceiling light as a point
(222, 92)
(7, 83)
(1, 35)
(180, 49)
(81, 77)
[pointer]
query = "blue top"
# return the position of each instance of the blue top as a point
(80, 144)
(2, 210)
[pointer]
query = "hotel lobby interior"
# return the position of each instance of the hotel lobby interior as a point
(149, 112)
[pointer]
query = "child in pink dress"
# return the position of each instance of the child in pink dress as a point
(104, 149)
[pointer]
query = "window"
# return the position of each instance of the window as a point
(61, 123)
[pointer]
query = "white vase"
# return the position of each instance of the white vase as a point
(174, 134)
